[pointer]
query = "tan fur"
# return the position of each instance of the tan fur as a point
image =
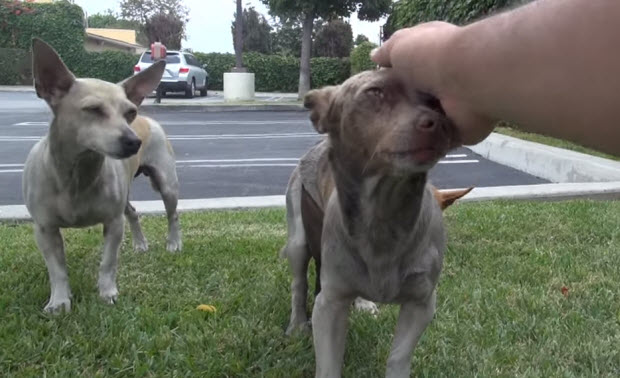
(142, 128)
(448, 197)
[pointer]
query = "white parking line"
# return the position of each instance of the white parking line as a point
(237, 165)
(234, 160)
(459, 161)
(195, 123)
(191, 137)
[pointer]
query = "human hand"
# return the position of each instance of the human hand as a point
(425, 56)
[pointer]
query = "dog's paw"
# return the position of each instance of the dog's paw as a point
(298, 327)
(108, 291)
(174, 245)
(57, 306)
(109, 297)
(140, 245)
(362, 304)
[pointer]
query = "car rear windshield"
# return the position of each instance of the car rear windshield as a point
(170, 58)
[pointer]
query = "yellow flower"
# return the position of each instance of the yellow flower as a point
(206, 308)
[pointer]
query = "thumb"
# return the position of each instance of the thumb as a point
(381, 55)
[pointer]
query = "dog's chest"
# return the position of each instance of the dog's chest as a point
(98, 203)
(398, 273)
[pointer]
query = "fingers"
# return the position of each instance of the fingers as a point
(382, 55)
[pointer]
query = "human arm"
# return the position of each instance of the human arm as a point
(551, 66)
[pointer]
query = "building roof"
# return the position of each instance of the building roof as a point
(110, 36)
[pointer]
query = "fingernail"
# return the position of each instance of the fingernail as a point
(373, 51)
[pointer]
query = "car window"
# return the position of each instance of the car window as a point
(188, 59)
(171, 58)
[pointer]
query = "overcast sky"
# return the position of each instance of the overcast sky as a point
(208, 29)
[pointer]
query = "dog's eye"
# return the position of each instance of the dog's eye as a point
(375, 92)
(95, 110)
(130, 115)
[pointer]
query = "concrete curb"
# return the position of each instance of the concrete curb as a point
(202, 108)
(551, 163)
(548, 192)
(16, 88)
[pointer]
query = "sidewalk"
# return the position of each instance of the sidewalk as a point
(214, 101)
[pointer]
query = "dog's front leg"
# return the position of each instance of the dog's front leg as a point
(412, 321)
(49, 241)
(330, 318)
(113, 236)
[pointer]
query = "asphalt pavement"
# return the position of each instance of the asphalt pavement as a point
(225, 154)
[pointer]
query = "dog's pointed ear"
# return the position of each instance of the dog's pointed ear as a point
(447, 198)
(320, 104)
(139, 86)
(52, 79)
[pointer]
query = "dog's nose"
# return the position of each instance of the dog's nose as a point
(130, 143)
(426, 124)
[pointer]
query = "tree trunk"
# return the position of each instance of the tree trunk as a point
(239, 36)
(306, 49)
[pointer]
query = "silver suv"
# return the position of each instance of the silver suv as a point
(183, 73)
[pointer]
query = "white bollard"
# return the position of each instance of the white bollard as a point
(238, 86)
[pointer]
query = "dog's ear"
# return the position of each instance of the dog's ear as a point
(320, 104)
(447, 198)
(139, 86)
(52, 79)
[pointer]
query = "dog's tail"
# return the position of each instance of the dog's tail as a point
(448, 197)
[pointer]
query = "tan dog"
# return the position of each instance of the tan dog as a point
(79, 175)
(360, 203)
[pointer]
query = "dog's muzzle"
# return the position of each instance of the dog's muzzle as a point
(130, 144)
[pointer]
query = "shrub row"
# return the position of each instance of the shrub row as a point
(15, 67)
(275, 73)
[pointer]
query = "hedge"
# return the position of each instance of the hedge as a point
(360, 58)
(61, 25)
(275, 73)
(411, 12)
(15, 67)
(113, 66)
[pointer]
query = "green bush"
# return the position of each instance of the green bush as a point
(15, 67)
(112, 66)
(328, 71)
(360, 58)
(61, 24)
(217, 64)
(410, 12)
(275, 73)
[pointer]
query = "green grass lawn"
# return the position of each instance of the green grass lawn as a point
(501, 311)
(506, 129)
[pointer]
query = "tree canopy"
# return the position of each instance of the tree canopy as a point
(256, 32)
(334, 39)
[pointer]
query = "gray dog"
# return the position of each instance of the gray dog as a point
(360, 203)
(80, 173)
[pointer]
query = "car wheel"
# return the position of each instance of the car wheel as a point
(203, 91)
(189, 92)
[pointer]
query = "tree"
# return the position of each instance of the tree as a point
(167, 28)
(361, 38)
(238, 37)
(410, 12)
(149, 13)
(309, 10)
(334, 39)
(110, 20)
(256, 32)
(286, 39)
(360, 58)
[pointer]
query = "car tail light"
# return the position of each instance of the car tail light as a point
(136, 68)
(183, 70)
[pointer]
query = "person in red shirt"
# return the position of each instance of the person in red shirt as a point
(158, 51)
